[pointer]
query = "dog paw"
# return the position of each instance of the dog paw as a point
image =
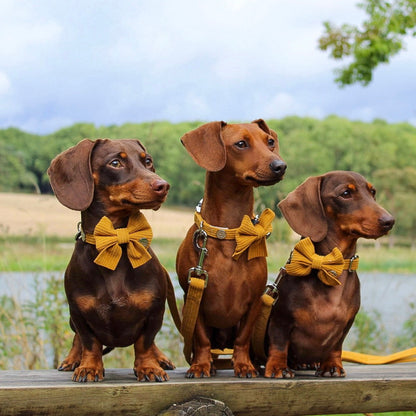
(150, 374)
(245, 371)
(165, 363)
(199, 371)
(277, 372)
(330, 371)
(68, 365)
(83, 374)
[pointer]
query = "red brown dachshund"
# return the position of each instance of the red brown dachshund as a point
(115, 299)
(237, 158)
(315, 310)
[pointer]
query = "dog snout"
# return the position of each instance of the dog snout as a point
(278, 167)
(160, 187)
(386, 222)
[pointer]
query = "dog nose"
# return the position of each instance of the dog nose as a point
(160, 187)
(386, 222)
(278, 167)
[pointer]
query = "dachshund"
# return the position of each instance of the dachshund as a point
(319, 293)
(115, 285)
(237, 158)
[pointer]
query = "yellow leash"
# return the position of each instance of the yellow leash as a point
(405, 356)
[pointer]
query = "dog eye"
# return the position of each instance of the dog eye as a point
(373, 192)
(115, 163)
(270, 142)
(148, 162)
(241, 144)
(346, 194)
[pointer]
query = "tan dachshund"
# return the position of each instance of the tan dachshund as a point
(237, 158)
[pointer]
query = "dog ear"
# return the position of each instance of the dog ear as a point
(303, 210)
(71, 176)
(206, 146)
(263, 125)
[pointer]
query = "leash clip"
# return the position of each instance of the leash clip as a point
(354, 257)
(203, 251)
(80, 233)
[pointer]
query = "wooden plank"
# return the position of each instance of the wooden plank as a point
(365, 389)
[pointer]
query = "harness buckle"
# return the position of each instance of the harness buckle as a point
(200, 273)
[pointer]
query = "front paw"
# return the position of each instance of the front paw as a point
(245, 370)
(273, 371)
(69, 365)
(150, 373)
(200, 370)
(328, 370)
(84, 373)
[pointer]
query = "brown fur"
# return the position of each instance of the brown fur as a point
(310, 320)
(125, 306)
(237, 158)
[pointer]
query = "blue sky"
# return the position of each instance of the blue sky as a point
(112, 62)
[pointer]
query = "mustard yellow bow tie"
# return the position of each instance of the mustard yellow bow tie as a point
(253, 236)
(330, 267)
(108, 239)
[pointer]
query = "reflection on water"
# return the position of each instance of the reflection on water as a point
(389, 294)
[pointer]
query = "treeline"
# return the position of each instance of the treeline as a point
(384, 153)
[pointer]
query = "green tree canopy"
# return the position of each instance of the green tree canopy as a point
(379, 38)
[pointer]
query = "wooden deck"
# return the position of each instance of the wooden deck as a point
(365, 389)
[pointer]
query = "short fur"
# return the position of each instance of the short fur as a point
(125, 306)
(310, 321)
(237, 157)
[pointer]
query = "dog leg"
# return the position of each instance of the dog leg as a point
(276, 366)
(243, 366)
(202, 359)
(91, 367)
(73, 359)
(146, 363)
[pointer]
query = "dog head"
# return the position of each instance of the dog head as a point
(249, 151)
(117, 173)
(342, 200)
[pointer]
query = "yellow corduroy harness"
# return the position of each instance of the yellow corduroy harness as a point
(251, 236)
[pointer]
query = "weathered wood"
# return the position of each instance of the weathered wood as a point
(365, 389)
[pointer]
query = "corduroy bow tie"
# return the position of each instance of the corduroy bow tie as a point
(107, 239)
(304, 259)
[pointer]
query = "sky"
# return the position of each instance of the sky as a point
(129, 61)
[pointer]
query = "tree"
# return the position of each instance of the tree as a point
(378, 39)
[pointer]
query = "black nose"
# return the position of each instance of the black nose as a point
(386, 221)
(278, 167)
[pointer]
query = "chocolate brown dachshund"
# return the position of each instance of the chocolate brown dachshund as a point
(115, 285)
(237, 158)
(320, 296)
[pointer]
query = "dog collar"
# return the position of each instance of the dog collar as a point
(251, 234)
(303, 259)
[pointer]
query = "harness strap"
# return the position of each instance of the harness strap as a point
(190, 314)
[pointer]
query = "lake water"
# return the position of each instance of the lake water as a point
(389, 294)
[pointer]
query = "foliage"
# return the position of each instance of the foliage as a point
(378, 39)
(382, 152)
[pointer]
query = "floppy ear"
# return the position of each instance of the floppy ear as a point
(206, 146)
(303, 210)
(263, 125)
(71, 176)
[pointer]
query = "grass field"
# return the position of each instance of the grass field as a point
(37, 234)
